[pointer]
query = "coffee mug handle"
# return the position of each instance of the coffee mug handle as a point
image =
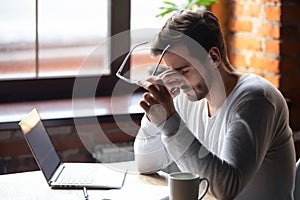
(206, 188)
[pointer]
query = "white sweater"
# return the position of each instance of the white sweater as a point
(246, 150)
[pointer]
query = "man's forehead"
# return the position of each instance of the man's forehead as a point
(179, 49)
(173, 57)
(175, 61)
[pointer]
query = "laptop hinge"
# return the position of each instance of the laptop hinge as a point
(57, 173)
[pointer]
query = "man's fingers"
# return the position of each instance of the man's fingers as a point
(157, 88)
(144, 83)
(145, 106)
(174, 91)
(162, 86)
(149, 99)
(154, 86)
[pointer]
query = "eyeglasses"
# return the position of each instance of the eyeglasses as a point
(119, 75)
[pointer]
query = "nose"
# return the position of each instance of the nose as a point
(178, 84)
(182, 85)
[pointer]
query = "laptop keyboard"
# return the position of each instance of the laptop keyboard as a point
(76, 177)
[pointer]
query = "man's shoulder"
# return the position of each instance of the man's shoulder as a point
(253, 80)
(254, 84)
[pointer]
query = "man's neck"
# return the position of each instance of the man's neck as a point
(222, 88)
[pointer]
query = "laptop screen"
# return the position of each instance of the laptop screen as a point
(40, 143)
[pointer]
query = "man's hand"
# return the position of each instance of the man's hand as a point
(158, 102)
(172, 80)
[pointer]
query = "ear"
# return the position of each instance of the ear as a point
(215, 56)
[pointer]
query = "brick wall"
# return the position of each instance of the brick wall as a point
(254, 37)
(264, 38)
(15, 155)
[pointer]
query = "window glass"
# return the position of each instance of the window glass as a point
(144, 26)
(69, 32)
(17, 39)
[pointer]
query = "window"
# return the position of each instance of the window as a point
(17, 38)
(145, 25)
(43, 43)
(68, 33)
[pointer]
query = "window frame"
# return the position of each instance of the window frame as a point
(62, 88)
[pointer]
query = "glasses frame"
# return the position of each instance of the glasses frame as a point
(118, 73)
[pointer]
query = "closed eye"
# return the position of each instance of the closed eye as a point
(183, 69)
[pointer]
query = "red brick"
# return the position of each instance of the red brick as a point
(237, 60)
(265, 64)
(21, 164)
(65, 142)
(273, 13)
(240, 25)
(273, 47)
(269, 30)
(81, 155)
(14, 148)
(243, 69)
(249, 10)
(246, 43)
(266, 1)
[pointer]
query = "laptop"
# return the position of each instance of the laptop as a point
(65, 175)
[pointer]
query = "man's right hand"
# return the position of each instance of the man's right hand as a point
(158, 102)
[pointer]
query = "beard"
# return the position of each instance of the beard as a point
(196, 93)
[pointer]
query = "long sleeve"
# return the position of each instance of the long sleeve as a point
(150, 153)
(252, 155)
(245, 151)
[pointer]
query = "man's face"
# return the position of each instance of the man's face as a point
(184, 75)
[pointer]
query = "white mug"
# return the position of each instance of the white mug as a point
(185, 186)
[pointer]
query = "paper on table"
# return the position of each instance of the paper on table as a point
(145, 192)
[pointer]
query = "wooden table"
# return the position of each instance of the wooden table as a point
(33, 186)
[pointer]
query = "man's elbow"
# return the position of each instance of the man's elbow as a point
(145, 165)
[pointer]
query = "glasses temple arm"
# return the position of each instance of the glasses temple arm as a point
(126, 58)
(159, 61)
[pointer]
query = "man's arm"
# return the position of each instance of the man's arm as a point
(243, 149)
(150, 153)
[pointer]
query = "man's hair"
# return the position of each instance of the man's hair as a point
(201, 26)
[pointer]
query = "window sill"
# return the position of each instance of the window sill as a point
(60, 112)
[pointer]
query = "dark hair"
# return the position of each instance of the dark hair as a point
(202, 26)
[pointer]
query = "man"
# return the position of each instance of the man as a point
(208, 118)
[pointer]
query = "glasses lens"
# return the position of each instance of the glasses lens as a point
(142, 64)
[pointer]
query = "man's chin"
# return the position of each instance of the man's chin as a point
(191, 97)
